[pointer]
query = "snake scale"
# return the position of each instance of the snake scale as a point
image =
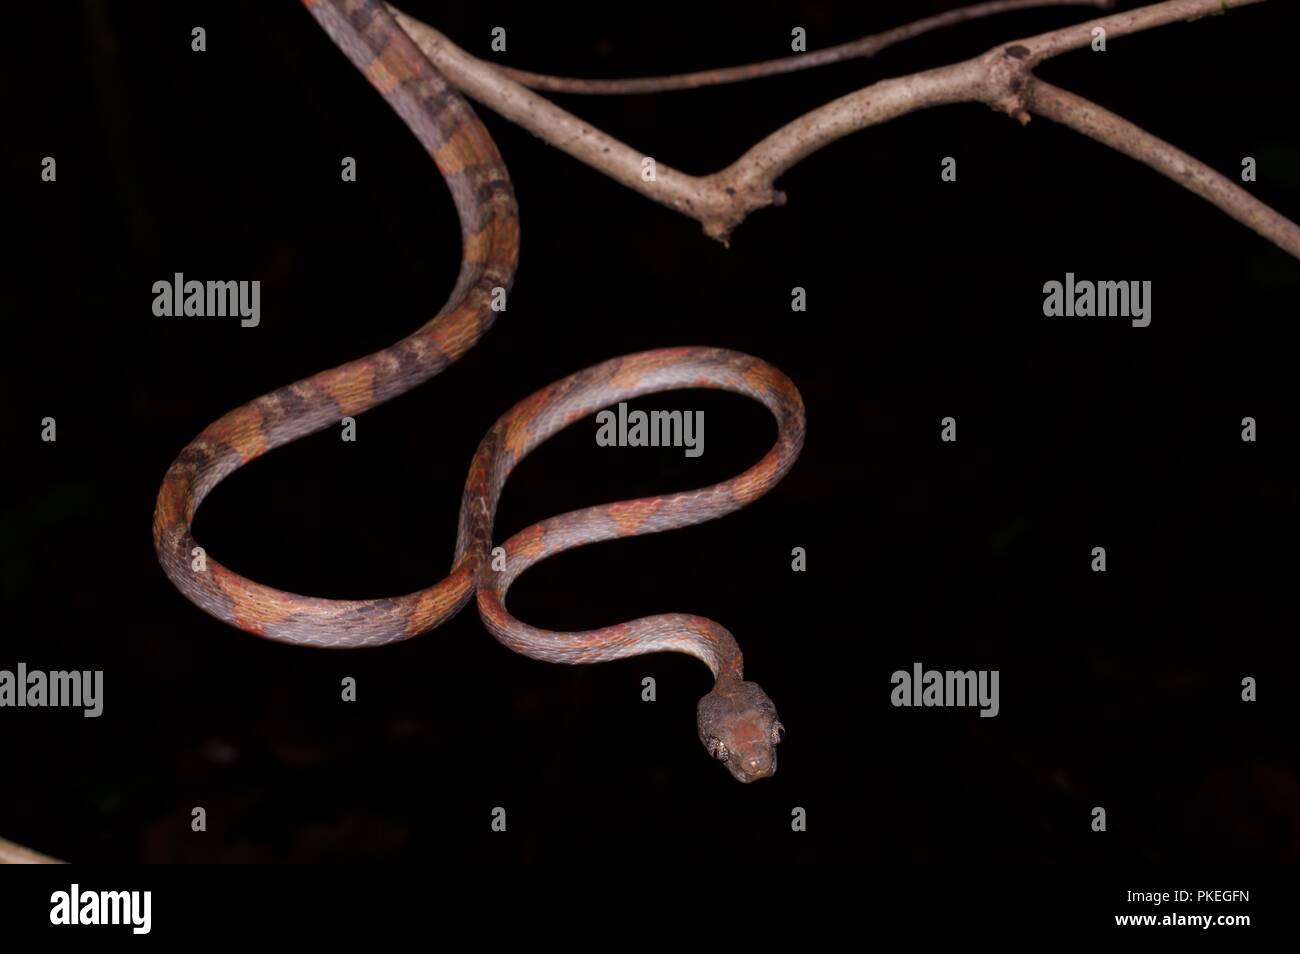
(736, 720)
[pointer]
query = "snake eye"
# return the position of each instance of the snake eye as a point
(778, 733)
(718, 749)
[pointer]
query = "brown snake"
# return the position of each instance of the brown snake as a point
(737, 721)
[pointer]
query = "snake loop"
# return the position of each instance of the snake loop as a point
(736, 720)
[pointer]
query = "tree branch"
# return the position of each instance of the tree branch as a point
(1001, 78)
(1079, 114)
(11, 854)
(863, 48)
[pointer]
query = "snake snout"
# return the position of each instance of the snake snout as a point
(739, 726)
(757, 765)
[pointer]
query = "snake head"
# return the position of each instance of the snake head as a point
(738, 725)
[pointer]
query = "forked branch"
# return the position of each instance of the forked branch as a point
(1001, 78)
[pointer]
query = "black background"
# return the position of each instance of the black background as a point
(925, 300)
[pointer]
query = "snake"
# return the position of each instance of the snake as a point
(736, 720)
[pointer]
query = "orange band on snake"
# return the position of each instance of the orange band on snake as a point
(736, 720)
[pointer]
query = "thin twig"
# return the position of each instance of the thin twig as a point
(862, 48)
(11, 854)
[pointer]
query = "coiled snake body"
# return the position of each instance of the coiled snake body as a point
(736, 720)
